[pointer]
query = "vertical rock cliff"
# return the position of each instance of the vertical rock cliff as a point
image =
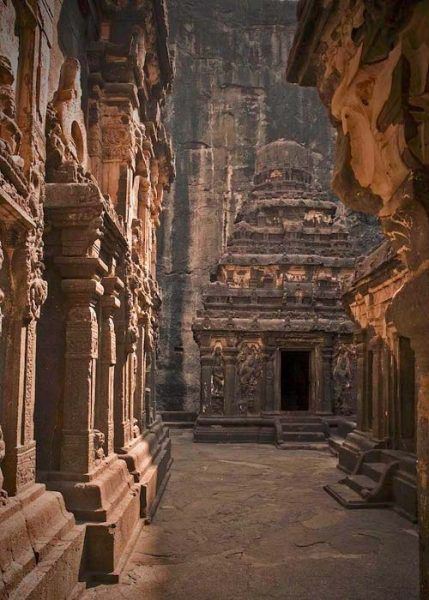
(230, 97)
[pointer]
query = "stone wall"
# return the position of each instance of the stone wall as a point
(230, 96)
(84, 162)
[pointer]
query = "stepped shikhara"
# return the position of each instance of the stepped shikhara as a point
(273, 334)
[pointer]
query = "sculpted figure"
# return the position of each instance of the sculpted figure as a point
(343, 375)
(37, 290)
(249, 372)
(217, 372)
(99, 439)
(10, 135)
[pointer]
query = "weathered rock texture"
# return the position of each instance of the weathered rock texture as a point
(370, 63)
(84, 162)
(230, 97)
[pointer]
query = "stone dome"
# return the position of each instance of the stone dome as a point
(284, 163)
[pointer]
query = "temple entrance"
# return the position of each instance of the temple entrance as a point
(295, 380)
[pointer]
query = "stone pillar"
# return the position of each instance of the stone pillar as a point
(422, 371)
(78, 451)
(360, 380)
(326, 405)
(120, 379)
(206, 383)
(230, 403)
(268, 378)
(318, 380)
(139, 397)
(109, 303)
(377, 387)
(22, 310)
(152, 407)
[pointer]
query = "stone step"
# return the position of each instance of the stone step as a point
(374, 470)
(179, 424)
(349, 498)
(318, 446)
(358, 483)
(335, 443)
(318, 427)
(304, 436)
(299, 418)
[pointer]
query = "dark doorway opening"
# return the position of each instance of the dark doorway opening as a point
(295, 380)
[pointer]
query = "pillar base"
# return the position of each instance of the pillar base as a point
(40, 547)
(108, 502)
(148, 459)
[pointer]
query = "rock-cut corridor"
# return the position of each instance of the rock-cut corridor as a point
(250, 522)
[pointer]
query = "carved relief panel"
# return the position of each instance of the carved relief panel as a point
(249, 370)
(217, 380)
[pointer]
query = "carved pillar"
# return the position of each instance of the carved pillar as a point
(152, 407)
(206, 383)
(268, 377)
(139, 398)
(326, 404)
(3, 494)
(422, 372)
(109, 303)
(360, 380)
(230, 404)
(22, 309)
(78, 452)
(125, 375)
(377, 389)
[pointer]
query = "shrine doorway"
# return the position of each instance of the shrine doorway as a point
(295, 380)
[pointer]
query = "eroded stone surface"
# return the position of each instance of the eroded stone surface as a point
(242, 530)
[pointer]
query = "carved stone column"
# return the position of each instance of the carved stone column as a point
(109, 303)
(377, 386)
(360, 379)
(269, 382)
(230, 359)
(422, 371)
(206, 383)
(22, 309)
(152, 406)
(3, 494)
(139, 400)
(79, 448)
(326, 404)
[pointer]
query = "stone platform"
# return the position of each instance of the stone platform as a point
(289, 431)
(40, 547)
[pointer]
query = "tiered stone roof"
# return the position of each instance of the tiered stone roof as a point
(287, 256)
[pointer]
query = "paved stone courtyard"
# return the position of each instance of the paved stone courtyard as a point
(249, 522)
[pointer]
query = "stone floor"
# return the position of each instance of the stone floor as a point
(249, 522)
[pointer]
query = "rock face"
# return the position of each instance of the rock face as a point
(230, 97)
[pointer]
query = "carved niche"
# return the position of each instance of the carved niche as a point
(249, 368)
(344, 378)
(217, 380)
